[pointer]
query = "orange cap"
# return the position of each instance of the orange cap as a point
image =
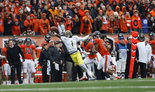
(16, 20)
(44, 14)
(86, 11)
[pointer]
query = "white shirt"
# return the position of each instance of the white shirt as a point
(143, 52)
(71, 43)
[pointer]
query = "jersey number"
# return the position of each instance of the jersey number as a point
(28, 50)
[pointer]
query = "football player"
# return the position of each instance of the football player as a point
(29, 64)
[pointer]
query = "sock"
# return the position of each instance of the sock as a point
(4, 82)
(8, 82)
(32, 80)
(84, 74)
(25, 81)
(83, 66)
(153, 75)
(16, 82)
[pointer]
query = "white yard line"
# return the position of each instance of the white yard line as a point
(77, 88)
(90, 82)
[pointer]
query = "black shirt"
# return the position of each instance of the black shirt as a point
(13, 55)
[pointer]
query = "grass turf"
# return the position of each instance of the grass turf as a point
(130, 85)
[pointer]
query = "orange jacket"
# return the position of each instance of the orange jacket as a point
(16, 30)
(69, 25)
(104, 26)
(1, 25)
(116, 23)
(35, 25)
(128, 20)
(109, 13)
(117, 9)
(152, 12)
(44, 26)
(86, 25)
(17, 9)
(136, 22)
(28, 24)
(123, 25)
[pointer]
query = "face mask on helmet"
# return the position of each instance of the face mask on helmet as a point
(47, 38)
(68, 34)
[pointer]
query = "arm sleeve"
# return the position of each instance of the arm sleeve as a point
(41, 59)
(82, 38)
(117, 51)
(50, 54)
(105, 21)
(8, 57)
(21, 52)
(149, 53)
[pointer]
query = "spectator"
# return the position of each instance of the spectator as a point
(128, 20)
(86, 24)
(44, 25)
(8, 22)
(136, 22)
(123, 24)
(16, 28)
(1, 25)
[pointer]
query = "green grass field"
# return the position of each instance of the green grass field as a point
(130, 85)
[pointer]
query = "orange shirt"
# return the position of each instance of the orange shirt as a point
(128, 20)
(123, 25)
(44, 26)
(4, 52)
(89, 46)
(101, 49)
(152, 13)
(28, 24)
(28, 51)
(16, 30)
(1, 26)
(36, 25)
(86, 25)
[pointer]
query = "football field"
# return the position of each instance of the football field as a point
(130, 85)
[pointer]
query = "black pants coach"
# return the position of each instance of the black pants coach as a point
(76, 70)
(44, 73)
(16, 67)
(56, 76)
(142, 69)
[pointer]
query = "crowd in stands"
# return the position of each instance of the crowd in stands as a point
(39, 17)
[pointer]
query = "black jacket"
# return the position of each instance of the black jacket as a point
(44, 57)
(13, 55)
(54, 54)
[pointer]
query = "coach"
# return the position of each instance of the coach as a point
(13, 56)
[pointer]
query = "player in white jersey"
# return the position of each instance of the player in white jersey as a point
(71, 44)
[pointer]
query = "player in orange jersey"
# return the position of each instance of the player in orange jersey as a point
(99, 46)
(5, 66)
(93, 56)
(29, 64)
(152, 63)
